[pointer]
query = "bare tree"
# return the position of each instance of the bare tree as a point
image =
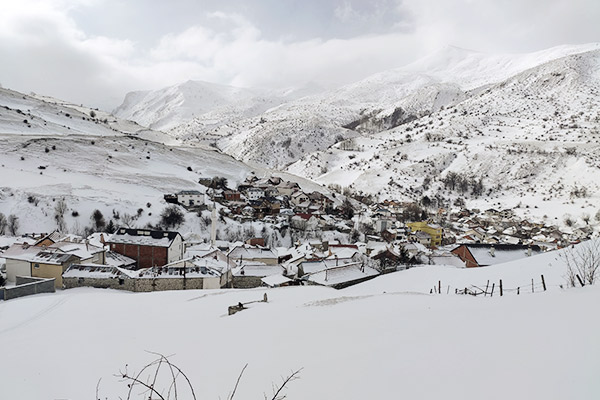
(3, 224)
(13, 224)
(171, 217)
(59, 214)
(583, 262)
(98, 221)
(127, 220)
(278, 389)
(160, 379)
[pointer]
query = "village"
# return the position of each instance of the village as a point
(376, 239)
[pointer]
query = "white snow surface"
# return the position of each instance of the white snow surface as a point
(385, 338)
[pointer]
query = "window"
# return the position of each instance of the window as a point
(36, 265)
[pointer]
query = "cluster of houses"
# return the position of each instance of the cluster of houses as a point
(143, 260)
(269, 199)
(283, 203)
(466, 226)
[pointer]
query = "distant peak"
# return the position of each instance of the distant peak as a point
(451, 47)
(451, 51)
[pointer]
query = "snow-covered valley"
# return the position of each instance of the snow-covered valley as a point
(338, 199)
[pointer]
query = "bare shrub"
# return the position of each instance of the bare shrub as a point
(162, 379)
(582, 261)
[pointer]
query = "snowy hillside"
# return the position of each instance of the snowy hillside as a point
(117, 175)
(51, 150)
(121, 174)
(533, 140)
(37, 115)
(386, 338)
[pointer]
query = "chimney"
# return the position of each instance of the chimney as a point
(492, 251)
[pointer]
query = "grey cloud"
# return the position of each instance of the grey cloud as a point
(95, 51)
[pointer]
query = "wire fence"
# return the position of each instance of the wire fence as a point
(491, 288)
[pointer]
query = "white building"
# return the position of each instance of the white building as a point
(190, 198)
(254, 193)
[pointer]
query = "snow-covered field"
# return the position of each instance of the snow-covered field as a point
(386, 338)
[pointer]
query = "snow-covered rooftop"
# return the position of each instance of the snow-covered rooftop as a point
(247, 252)
(143, 237)
(118, 260)
(82, 250)
(484, 255)
(344, 274)
(258, 270)
(312, 266)
(275, 280)
(97, 271)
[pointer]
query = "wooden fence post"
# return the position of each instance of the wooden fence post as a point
(543, 283)
(580, 281)
(518, 290)
(439, 287)
(532, 288)
(486, 287)
(492, 294)
(501, 287)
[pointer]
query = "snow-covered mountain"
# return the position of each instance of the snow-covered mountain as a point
(519, 130)
(283, 134)
(532, 140)
(202, 105)
(525, 126)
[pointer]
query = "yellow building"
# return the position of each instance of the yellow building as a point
(435, 231)
(51, 265)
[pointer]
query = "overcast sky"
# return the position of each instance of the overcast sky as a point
(95, 51)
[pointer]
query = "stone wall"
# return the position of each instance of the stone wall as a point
(246, 282)
(137, 284)
(160, 284)
(27, 286)
(101, 283)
